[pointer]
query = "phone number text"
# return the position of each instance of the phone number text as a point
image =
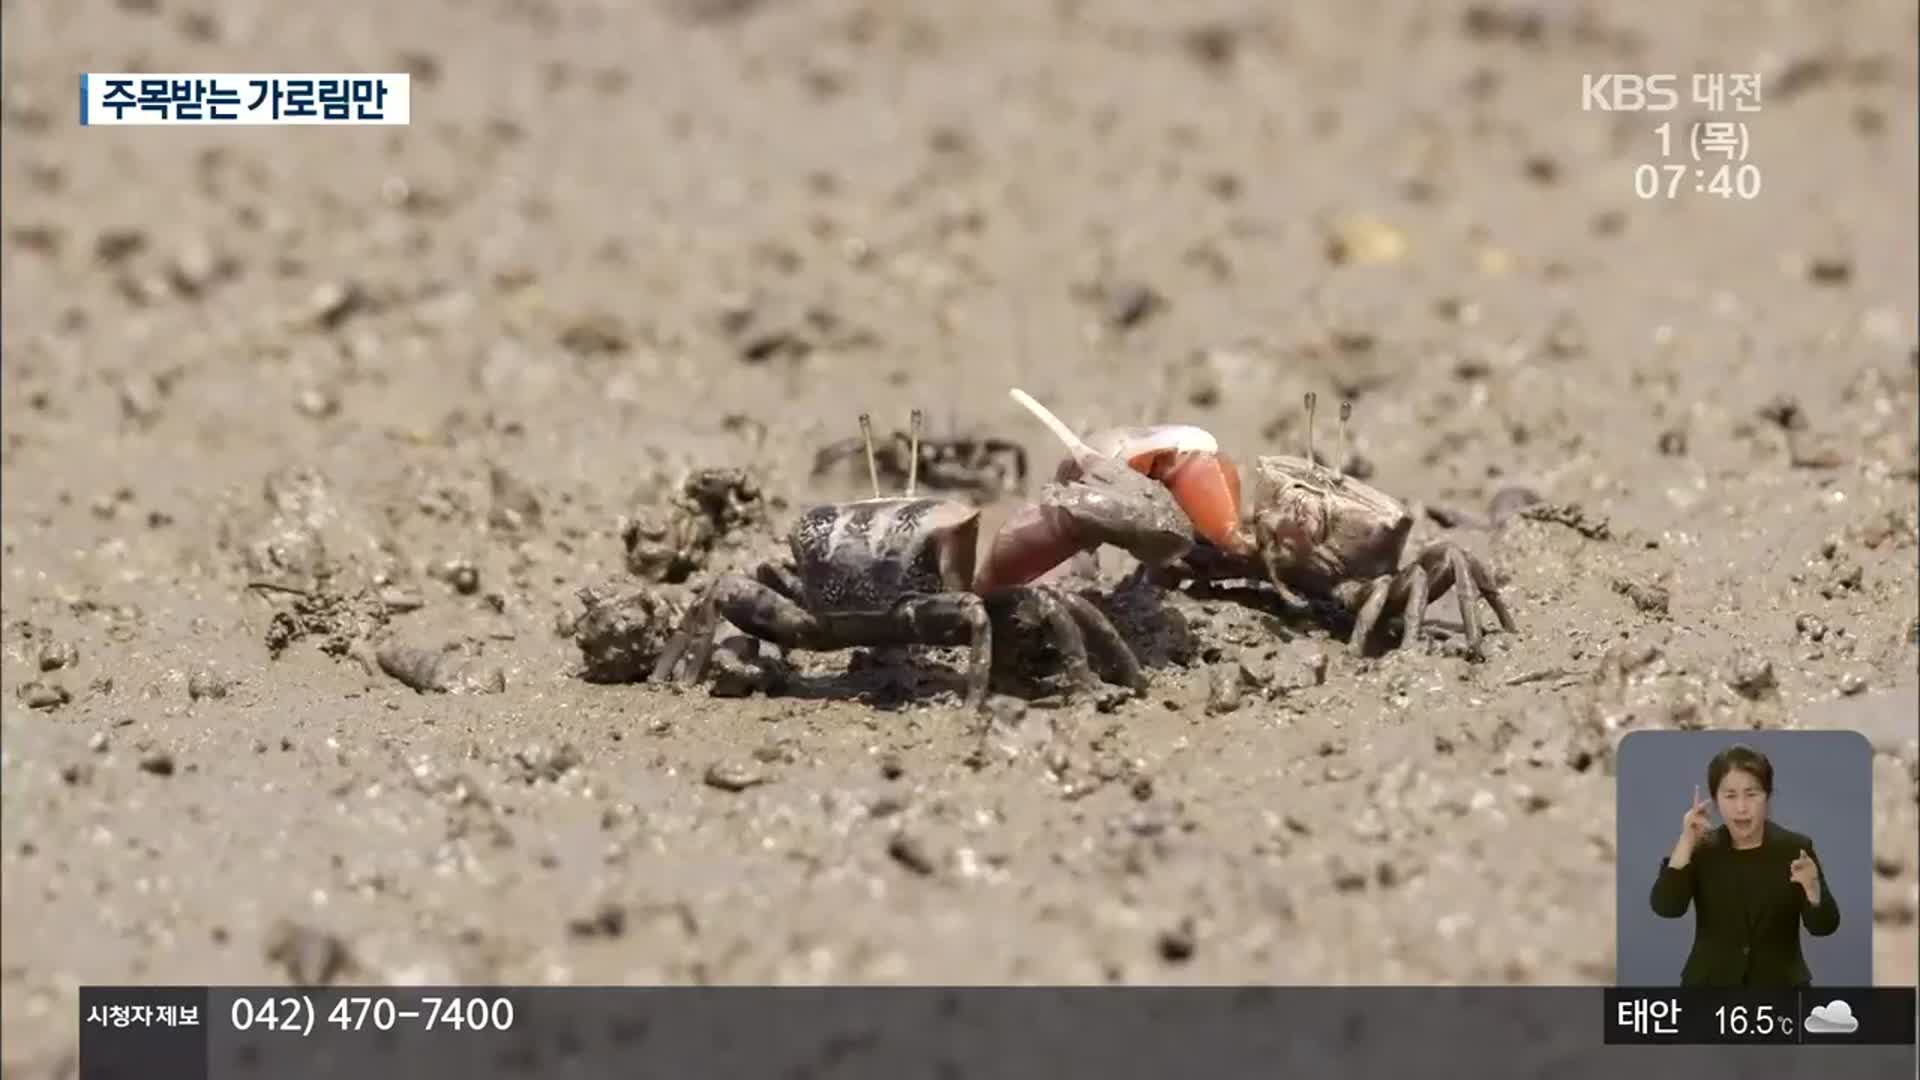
(296, 1014)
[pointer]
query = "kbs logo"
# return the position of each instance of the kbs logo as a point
(1629, 93)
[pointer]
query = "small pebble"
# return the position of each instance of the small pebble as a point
(1203, 389)
(1807, 451)
(1783, 410)
(196, 266)
(1317, 664)
(1364, 240)
(1565, 339)
(537, 761)
(44, 695)
(115, 244)
(398, 600)
(1346, 878)
(331, 303)
(1226, 688)
(608, 920)
(58, 654)
(1509, 501)
(309, 957)
(909, 852)
(1830, 270)
(1845, 576)
(515, 507)
(1178, 944)
(462, 575)
(317, 403)
(1753, 677)
(206, 684)
(158, 762)
(1128, 304)
(200, 26)
(440, 671)
(141, 397)
(734, 776)
(1212, 45)
(1648, 597)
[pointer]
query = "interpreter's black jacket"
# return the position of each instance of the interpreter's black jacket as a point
(1747, 911)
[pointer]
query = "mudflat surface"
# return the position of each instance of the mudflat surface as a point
(278, 402)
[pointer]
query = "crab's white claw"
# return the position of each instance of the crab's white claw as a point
(1074, 443)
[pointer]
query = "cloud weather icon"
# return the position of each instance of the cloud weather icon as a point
(1834, 1018)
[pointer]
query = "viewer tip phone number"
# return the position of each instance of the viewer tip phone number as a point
(296, 1014)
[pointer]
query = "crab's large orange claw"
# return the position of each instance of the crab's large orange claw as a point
(1031, 542)
(1206, 484)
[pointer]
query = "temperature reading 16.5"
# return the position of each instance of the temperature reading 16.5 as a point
(1759, 1020)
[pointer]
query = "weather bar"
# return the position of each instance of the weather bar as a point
(512, 1032)
(1873, 1016)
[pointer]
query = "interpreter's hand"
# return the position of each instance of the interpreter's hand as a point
(1692, 827)
(1695, 825)
(1806, 874)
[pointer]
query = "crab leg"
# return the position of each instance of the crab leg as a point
(1103, 638)
(1377, 594)
(1415, 613)
(1468, 593)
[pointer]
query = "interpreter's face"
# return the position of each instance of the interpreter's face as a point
(1742, 802)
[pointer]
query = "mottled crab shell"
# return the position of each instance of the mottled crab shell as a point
(1346, 528)
(865, 555)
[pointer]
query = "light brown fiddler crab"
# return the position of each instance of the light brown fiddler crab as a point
(902, 570)
(1316, 534)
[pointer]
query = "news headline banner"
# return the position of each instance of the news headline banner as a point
(230, 1033)
(131, 98)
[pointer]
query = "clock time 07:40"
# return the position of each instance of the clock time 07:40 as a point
(1669, 180)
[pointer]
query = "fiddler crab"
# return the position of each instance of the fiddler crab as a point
(909, 570)
(1318, 535)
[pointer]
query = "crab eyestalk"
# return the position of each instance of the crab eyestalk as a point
(1339, 467)
(913, 453)
(873, 464)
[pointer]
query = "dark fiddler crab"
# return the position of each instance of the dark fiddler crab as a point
(902, 570)
(1317, 534)
(983, 467)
